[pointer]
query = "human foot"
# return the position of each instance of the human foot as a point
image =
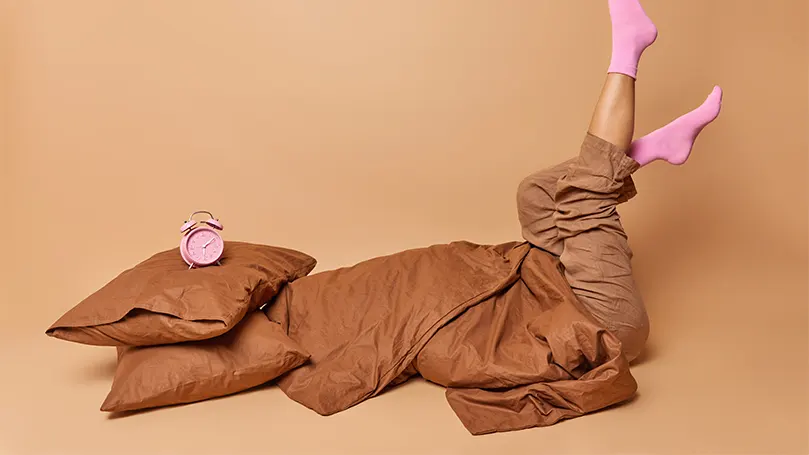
(673, 142)
(632, 33)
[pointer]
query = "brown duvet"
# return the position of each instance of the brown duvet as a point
(499, 326)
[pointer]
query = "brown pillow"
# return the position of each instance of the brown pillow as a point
(254, 352)
(161, 301)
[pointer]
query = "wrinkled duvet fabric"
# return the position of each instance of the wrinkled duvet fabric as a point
(499, 326)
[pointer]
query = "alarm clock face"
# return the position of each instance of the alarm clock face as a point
(204, 246)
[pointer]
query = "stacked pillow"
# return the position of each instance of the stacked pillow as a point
(186, 335)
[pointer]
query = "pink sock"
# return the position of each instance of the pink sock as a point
(674, 141)
(632, 33)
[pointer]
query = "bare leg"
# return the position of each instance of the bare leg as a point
(614, 116)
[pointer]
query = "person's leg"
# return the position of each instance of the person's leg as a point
(614, 114)
(632, 32)
(613, 120)
(570, 209)
(596, 254)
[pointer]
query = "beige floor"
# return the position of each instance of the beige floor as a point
(357, 128)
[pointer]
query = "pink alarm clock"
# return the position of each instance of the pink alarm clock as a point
(201, 245)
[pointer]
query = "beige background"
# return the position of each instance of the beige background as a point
(356, 128)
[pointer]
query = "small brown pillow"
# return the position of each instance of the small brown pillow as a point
(254, 352)
(161, 301)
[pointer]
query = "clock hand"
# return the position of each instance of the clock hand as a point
(209, 242)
